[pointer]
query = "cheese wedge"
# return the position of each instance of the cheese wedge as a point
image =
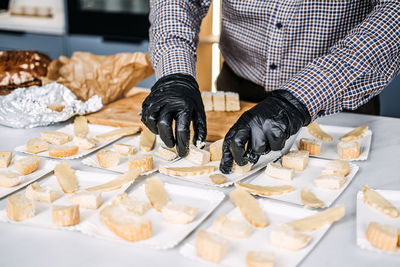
(55, 138)
(178, 213)
(241, 169)
(36, 145)
(10, 179)
(285, 236)
(124, 149)
(65, 215)
(216, 150)
(186, 171)
(382, 236)
(63, 151)
(107, 158)
(314, 222)
(297, 159)
(115, 134)
(309, 199)
(348, 150)
(142, 162)
(337, 166)
(27, 165)
(260, 259)
(137, 206)
(5, 158)
(42, 194)
(211, 247)
(86, 199)
(274, 170)
(84, 143)
(249, 207)
(166, 153)
(126, 224)
(314, 129)
(198, 156)
(66, 177)
(116, 183)
(266, 190)
(313, 146)
(333, 181)
(218, 178)
(377, 201)
(156, 193)
(19, 208)
(81, 127)
(231, 227)
(147, 140)
(355, 134)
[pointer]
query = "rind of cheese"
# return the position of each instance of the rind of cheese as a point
(156, 193)
(314, 130)
(198, 156)
(147, 140)
(116, 183)
(355, 134)
(231, 227)
(276, 171)
(313, 146)
(123, 131)
(186, 171)
(81, 128)
(309, 199)
(61, 151)
(285, 236)
(266, 190)
(249, 207)
(316, 221)
(142, 162)
(382, 236)
(66, 177)
(178, 213)
(377, 201)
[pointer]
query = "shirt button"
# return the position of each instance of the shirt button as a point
(273, 66)
(278, 25)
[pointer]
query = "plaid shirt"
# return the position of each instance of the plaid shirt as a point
(331, 55)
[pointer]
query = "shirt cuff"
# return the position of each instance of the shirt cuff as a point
(176, 61)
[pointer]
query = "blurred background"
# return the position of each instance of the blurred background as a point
(105, 27)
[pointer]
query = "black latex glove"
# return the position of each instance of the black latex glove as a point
(265, 127)
(175, 97)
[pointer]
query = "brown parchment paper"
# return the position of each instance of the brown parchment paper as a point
(110, 77)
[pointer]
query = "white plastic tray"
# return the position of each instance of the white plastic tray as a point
(94, 129)
(329, 149)
(124, 161)
(45, 166)
(259, 239)
(43, 215)
(165, 235)
(305, 179)
(231, 178)
(367, 214)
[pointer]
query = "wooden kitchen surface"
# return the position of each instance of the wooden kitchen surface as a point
(124, 112)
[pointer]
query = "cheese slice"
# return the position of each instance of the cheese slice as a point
(333, 181)
(382, 236)
(42, 194)
(186, 171)
(137, 206)
(231, 227)
(377, 201)
(66, 177)
(276, 171)
(178, 213)
(309, 199)
(116, 183)
(266, 190)
(249, 207)
(198, 156)
(314, 129)
(124, 131)
(285, 236)
(147, 140)
(355, 134)
(156, 193)
(216, 150)
(314, 222)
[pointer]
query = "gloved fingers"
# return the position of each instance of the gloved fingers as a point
(182, 132)
(251, 156)
(227, 159)
(277, 135)
(150, 114)
(199, 127)
(164, 126)
(238, 145)
(258, 143)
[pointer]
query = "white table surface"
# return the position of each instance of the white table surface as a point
(30, 246)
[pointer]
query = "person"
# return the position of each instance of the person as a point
(301, 59)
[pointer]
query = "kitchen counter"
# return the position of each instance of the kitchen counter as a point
(31, 246)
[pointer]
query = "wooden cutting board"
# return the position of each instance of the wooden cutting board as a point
(124, 112)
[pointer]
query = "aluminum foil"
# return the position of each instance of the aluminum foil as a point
(29, 107)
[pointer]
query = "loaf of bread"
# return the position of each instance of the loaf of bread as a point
(27, 165)
(19, 208)
(65, 215)
(211, 247)
(61, 151)
(198, 156)
(141, 162)
(137, 206)
(10, 179)
(42, 194)
(126, 224)
(178, 213)
(66, 177)
(86, 199)
(36, 145)
(107, 158)
(55, 138)
(297, 159)
(5, 158)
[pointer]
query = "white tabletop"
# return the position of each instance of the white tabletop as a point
(30, 246)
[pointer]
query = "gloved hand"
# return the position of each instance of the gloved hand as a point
(175, 97)
(263, 128)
